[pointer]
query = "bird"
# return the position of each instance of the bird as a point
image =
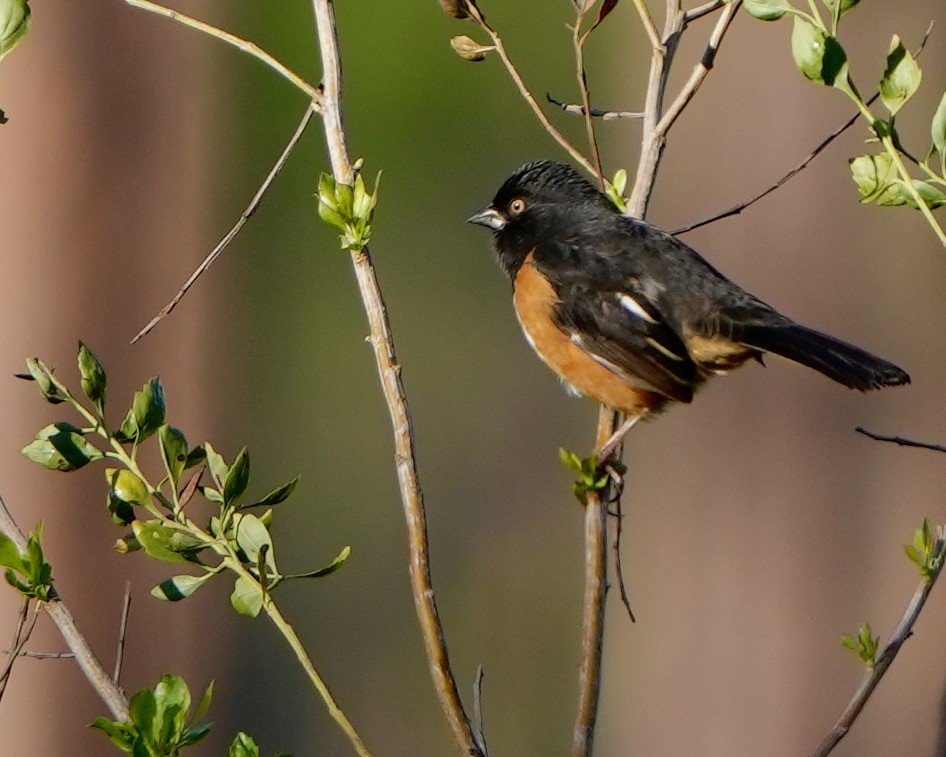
(629, 315)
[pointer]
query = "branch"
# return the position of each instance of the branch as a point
(876, 671)
(241, 222)
(389, 371)
(900, 440)
(107, 689)
(703, 10)
(122, 629)
(478, 18)
(604, 115)
(20, 636)
(241, 44)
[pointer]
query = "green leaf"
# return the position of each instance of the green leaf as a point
(938, 128)
(149, 408)
(92, 373)
(9, 555)
(876, 178)
(195, 734)
(120, 734)
(177, 588)
(142, 709)
(43, 376)
(127, 487)
(173, 452)
(195, 457)
(237, 478)
(243, 746)
(14, 24)
(901, 78)
(173, 700)
(247, 597)
(204, 704)
(767, 10)
(252, 537)
(818, 55)
(156, 540)
(328, 569)
(276, 495)
(61, 446)
(846, 5)
(217, 465)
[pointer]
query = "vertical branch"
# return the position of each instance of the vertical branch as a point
(389, 371)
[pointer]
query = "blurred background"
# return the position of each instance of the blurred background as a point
(760, 526)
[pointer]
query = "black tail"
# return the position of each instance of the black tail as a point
(840, 361)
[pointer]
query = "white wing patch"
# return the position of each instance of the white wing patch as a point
(633, 306)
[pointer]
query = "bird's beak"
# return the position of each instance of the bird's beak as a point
(489, 217)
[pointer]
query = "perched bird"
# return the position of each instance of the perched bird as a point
(631, 316)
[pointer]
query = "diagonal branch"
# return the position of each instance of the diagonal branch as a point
(231, 39)
(107, 689)
(241, 222)
(389, 371)
(876, 671)
(900, 440)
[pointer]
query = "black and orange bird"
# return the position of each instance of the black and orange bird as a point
(628, 314)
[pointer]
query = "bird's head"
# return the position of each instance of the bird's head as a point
(542, 201)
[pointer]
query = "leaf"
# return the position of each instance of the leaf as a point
(173, 700)
(901, 78)
(61, 446)
(126, 487)
(846, 5)
(243, 745)
(14, 24)
(92, 373)
(149, 408)
(247, 597)
(120, 734)
(818, 56)
(876, 178)
(237, 478)
(142, 709)
(173, 452)
(253, 538)
(204, 704)
(156, 540)
(217, 465)
(176, 588)
(195, 734)
(470, 49)
(451, 8)
(938, 128)
(767, 10)
(328, 569)
(9, 555)
(278, 495)
(43, 377)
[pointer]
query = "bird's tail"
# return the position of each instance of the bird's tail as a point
(840, 361)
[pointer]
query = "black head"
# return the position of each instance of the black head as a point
(541, 201)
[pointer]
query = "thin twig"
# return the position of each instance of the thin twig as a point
(478, 729)
(701, 70)
(526, 94)
(122, 629)
(703, 10)
(241, 221)
(618, 562)
(107, 689)
(900, 440)
(20, 636)
(389, 371)
(604, 115)
(48, 655)
(241, 44)
(876, 671)
(647, 22)
(578, 44)
(736, 209)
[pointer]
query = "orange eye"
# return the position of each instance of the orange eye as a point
(517, 206)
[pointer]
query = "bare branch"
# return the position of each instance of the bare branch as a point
(703, 10)
(618, 532)
(48, 655)
(107, 689)
(122, 629)
(241, 221)
(604, 115)
(475, 14)
(231, 39)
(876, 671)
(900, 440)
(648, 23)
(478, 728)
(578, 44)
(389, 371)
(20, 636)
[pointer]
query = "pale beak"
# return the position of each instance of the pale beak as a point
(489, 217)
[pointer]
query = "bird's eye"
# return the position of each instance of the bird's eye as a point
(517, 206)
